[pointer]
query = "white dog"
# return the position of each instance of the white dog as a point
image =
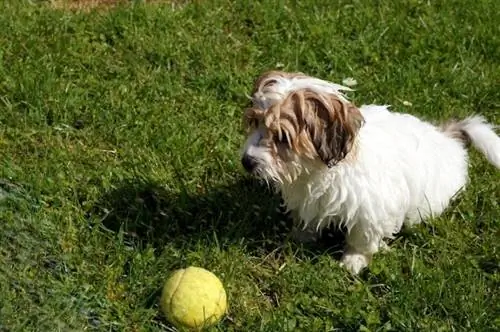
(366, 169)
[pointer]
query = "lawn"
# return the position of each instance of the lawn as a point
(120, 130)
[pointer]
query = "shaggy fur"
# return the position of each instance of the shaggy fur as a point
(368, 170)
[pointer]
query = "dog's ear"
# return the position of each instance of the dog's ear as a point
(333, 126)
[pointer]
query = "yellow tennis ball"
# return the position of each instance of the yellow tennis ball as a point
(193, 298)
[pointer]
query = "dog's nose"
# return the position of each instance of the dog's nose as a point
(249, 163)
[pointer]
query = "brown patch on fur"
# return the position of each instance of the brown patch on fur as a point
(454, 130)
(311, 124)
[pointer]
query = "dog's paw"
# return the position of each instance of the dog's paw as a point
(384, 247)
(354, 262)
(303, 236)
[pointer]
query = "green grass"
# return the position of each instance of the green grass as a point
(119, 139)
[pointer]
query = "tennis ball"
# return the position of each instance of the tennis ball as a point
(193, 298)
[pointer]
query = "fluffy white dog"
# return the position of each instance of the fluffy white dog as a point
(366, 169)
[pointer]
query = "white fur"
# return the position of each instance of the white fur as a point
(285, 86)
(483, 137)
(403, 170)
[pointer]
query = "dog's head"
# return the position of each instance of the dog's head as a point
(297, 123)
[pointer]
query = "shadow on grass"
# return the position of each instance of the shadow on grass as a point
(244, 212)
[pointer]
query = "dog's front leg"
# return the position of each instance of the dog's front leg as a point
(362, 244)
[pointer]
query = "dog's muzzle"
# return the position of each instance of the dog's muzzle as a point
(249, 163)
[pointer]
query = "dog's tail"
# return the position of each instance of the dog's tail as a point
(477, 131)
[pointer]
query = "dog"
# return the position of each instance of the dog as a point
(368, 170)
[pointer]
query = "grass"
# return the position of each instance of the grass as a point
(119, 137)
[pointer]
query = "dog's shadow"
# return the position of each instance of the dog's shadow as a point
(243, 212)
